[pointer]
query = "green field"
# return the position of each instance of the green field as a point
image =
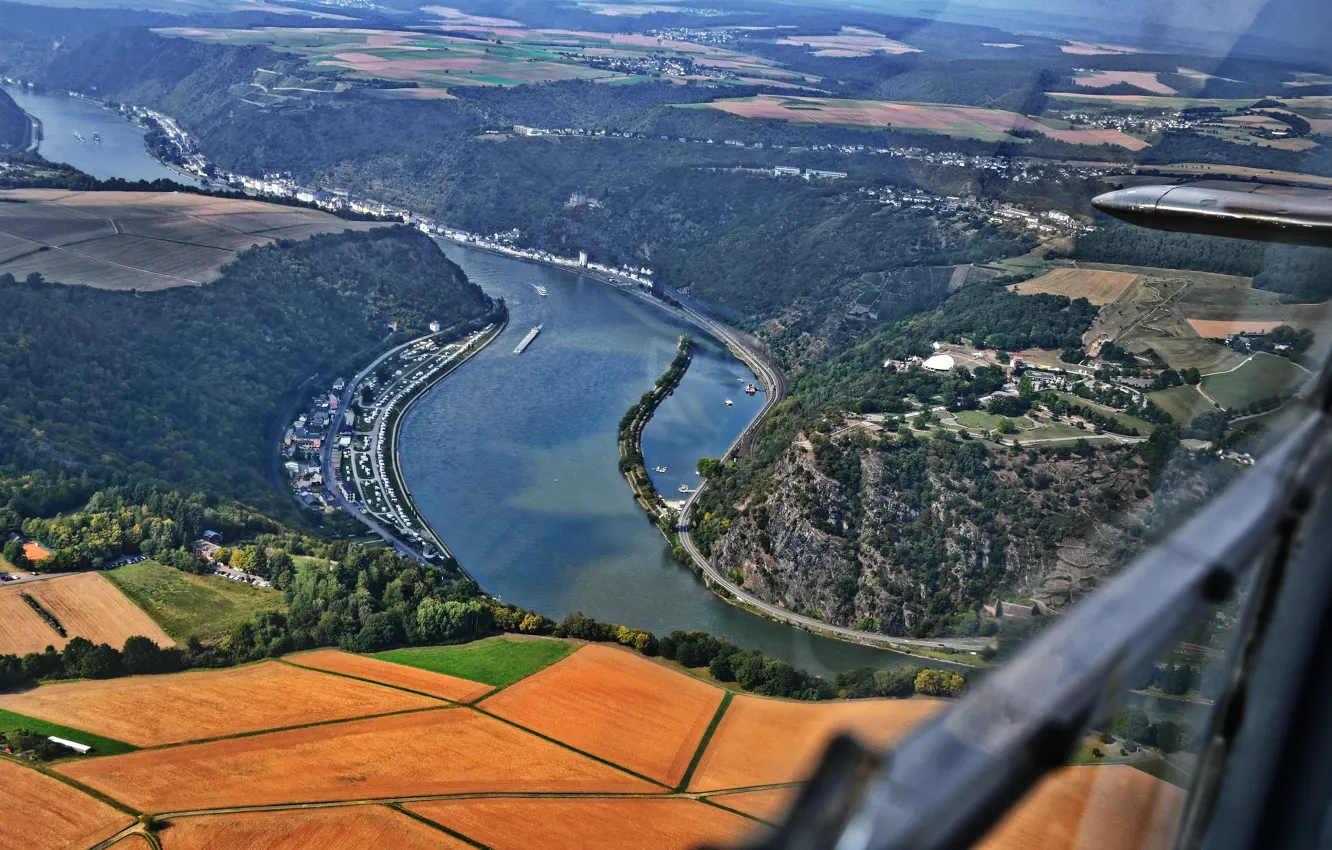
(1201, 354)
(9, 721)
(495, 661)
(1144, 427)
(1182, 403)
(1264, 376)
(989, 421)
(187, 606)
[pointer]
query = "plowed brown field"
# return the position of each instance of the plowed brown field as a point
(618, 706)
(1098, 287)
(1111, 807)
(449, 751)
(149, 240)
(151, 710)
(86, 604)
(764, 741)
(41, 813)
(769, 804)
(399, 675)
(133, 841)
(1220, 329)
(343, 828)
(578, 824)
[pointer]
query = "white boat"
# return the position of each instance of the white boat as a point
(684, 489)
(658, 469)
(542, 291)
(78, 135)
(729, 402)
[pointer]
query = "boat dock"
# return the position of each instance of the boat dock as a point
(527, 340)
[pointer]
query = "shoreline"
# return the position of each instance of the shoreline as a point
(392, 472)
(395, 467)
(631, 434)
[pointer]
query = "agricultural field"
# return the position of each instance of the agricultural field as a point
(347, 828)
(1144, 80)
(1263, 376)
(515, 780)
(765, 741)
(42, 813)
(571, 824)
(85, 604)
(10, 722)
(361, 759)
(1111, 807)
(618, 706)
(189, 606)
(152, 710)
(396, 675)
(770, 804)
(498, 661)
(1222, 328)
(967, 122)
(851, 41)
(1182, 403)
(141, 240)
(1097, 286)
(489, 54)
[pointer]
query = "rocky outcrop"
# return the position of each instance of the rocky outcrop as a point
(901, 536)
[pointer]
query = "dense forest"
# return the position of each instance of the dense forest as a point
(15, 128)
(184, 385)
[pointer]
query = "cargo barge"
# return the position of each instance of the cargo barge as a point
(527, 340)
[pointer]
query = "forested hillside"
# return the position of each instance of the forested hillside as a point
(184, 385)
(15, 128)
(1297, 271)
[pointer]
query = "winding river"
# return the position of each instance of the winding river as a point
(514, 460)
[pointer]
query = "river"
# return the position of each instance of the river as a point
(514, 461)
(120, 153)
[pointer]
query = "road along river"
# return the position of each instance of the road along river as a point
(513, 460)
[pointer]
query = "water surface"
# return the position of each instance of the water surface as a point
(120, 153)
(514, 460)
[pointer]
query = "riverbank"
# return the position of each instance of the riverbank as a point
(375, 495)
(631, 436)
(394, 426)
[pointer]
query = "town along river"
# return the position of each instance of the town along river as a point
(120, 153)
(514, 461)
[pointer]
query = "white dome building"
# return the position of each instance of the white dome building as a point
(939, 363)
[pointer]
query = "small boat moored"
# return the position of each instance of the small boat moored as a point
(729, 403)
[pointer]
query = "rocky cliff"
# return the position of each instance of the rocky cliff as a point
(905, 535)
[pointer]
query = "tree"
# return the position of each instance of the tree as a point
(141, 655)
(1005, 426)
(1026, 388)
(939, 683)
(1132, 724)
(13, 553)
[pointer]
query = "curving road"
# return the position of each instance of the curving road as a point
(774, 382)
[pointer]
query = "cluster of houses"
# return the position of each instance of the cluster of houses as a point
(304, 441)
(1132, 121)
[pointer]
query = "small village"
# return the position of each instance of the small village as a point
(335, 452)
